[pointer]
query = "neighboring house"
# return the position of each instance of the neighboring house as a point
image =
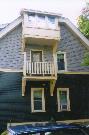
(41, 73)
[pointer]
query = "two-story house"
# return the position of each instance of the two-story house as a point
(41, 72)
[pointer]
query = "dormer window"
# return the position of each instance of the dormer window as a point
(41, 21)
(51, 22)
(32, 19)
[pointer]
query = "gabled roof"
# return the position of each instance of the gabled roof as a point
(74, 30)
(10, 27)
(2, 26)
(62, 20)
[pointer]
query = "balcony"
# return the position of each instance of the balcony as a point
(39, 70)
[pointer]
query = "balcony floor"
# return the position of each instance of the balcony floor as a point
(40, 77)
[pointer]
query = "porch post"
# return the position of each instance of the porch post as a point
(24, 66)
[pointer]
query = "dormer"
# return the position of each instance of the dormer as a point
(40, 27)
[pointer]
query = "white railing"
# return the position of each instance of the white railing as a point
(40, 68)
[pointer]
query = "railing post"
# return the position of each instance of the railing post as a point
(24, 67)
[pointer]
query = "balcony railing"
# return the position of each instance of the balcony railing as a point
(39, 68)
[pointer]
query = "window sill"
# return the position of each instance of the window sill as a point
(64, 110)
(61, 71)
(37, 111)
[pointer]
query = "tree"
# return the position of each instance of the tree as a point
(83, 23)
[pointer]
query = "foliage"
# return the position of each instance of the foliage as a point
(83, 24)
(85, 61)
(5, 133)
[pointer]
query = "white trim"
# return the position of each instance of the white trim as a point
(10, 70)
(40, 12)
(65, 61)
(58, 99)
(10, 27)
(75, 31)
(32, 100)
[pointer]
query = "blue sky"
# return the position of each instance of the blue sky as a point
(10, 9)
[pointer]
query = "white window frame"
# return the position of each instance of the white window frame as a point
(32, 100)
(65, 61)
(58, 99)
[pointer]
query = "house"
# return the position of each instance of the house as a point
(41, 74)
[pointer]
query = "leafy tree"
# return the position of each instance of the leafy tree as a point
(85, 61)
(83, 23)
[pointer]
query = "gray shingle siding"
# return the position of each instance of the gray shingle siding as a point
(75, 50)
(11, 50)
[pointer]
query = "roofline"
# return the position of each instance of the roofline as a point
(10, 26)
(40, 12)
(74, 29)
(66, 21)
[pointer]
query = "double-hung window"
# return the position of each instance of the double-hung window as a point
(61, 61)
(63, 99)
(37, 100)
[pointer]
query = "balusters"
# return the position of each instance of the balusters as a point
(40, 68)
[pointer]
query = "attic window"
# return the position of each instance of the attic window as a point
(51, 22)
(31, 19)
(41, 21)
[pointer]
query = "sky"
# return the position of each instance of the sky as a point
(10, 9)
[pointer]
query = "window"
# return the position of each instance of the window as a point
(61, 61)
(63, 99)
(51, 22)
(37, 100)
(32, 19)
(41, 21)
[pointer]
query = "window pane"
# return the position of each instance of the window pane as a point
(41, 21)
(51, 22)
(38, 100)
(63, 99)
(37, 105)
(37, 94)
(31, 19)
(60, 61)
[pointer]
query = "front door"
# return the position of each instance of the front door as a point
(36, 56)
(36, 59)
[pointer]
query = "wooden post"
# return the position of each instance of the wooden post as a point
(52, 86)
(23, 86)
(24, 67)
(55, 58)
